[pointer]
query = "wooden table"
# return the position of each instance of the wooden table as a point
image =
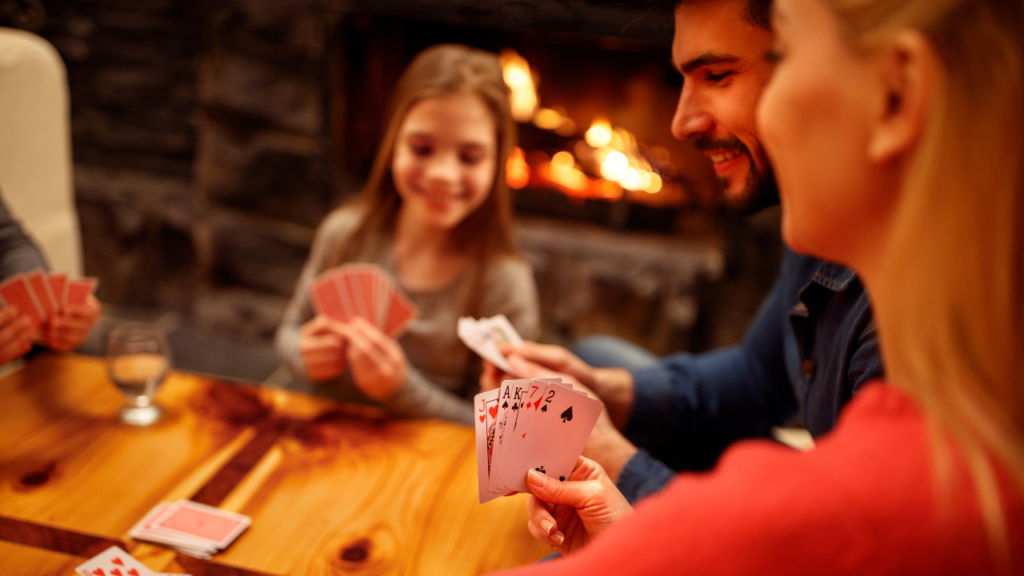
(331, 488)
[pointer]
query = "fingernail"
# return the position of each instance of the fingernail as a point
(557, 538)
(536, 478)
(547, 526)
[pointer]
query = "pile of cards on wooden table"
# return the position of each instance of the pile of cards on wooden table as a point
(39, 295)
(115, 562)
(526, 425)
(484, 337)
(190, 528)
(364, 291)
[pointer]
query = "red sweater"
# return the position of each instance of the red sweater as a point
(863, 502)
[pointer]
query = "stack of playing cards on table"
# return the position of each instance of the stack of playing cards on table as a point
(365, 291)
(486, 335)
(115, 562)
(39, 295)
(190, 528)
(526, 425)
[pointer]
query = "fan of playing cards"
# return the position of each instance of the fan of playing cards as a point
(194, 529)
(484, 337)
(365, 291)
(526, 425)
(39, 295)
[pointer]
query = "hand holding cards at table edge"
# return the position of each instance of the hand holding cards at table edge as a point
(568, 515)
(377, 362)
(15, 334)
(60, 311)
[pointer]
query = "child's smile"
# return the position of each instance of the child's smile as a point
(445, 158)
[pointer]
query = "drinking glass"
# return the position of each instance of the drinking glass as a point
(138, 358)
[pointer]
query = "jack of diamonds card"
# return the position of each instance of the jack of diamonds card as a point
(550, 436)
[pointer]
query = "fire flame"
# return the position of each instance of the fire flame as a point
(611, 154)
(599, 134)
(517, 171)
(517, 76)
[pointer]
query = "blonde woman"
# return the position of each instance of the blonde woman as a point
(435, 213)
(896, 129)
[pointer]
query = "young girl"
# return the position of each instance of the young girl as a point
(436, 215)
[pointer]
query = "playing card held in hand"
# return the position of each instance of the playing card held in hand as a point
(533, 424)
(39, 295)
(365, 291)
(485, 336)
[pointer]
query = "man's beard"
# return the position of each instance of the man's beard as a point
(759, 191)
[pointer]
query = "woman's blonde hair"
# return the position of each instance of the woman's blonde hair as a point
(437, 71)
(952, 325)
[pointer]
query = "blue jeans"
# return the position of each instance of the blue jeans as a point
(612, 352)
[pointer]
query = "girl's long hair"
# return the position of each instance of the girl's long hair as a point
(487, 232)
(952, 325)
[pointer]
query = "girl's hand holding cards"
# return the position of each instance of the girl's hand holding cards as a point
(377, 361)
(323, 348)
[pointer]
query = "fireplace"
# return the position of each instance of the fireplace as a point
(211, 138)
(593, 113)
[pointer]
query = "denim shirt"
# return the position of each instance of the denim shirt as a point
(812, 345)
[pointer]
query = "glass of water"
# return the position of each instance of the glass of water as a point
(138, 358)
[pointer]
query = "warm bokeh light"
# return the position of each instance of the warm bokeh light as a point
(563, 160)
(630, 179)
(614, 165)
(517, 171)
(548, 119)
(599, 134)
(655, 184)
(517, 75)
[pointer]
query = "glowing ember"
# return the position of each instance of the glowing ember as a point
(599, 134)
(517, 172)
(520, 82)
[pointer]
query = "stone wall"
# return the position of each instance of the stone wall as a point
(202, 160)
(264, 174)
(132, 71)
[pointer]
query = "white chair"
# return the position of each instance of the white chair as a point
(35, 147)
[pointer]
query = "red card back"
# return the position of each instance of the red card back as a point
(16, 292)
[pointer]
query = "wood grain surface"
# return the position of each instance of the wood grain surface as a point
(331, 488)
(67, 461)
(19, 560)
(349, 490)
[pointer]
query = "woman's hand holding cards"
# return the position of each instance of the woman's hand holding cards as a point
(568, 515)
(323, 348)
(378, 363)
